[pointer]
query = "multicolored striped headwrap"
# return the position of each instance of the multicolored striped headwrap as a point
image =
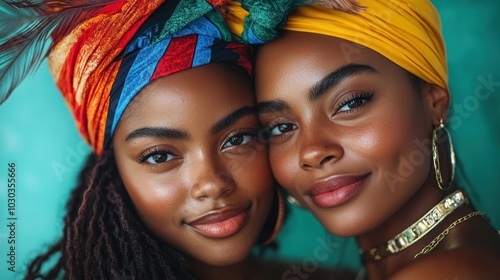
(407, 32)
(106, 60)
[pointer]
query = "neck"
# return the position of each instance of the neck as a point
(237, 271)
(422, 201)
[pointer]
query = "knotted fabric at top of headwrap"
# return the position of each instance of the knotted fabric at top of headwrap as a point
(407, 32)
(258, 21)
(105, 61)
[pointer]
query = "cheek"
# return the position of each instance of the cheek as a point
(158, 204)
(284, 167)
(253, 175)
(254, 182)
(392, 145)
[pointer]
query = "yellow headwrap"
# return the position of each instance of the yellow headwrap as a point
(407, 32)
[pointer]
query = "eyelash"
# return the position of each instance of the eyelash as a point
(245, 132)
(271, 126)
(365, 96)
(154, 151)
(157, 150)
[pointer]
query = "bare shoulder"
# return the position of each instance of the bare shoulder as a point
(458, 264)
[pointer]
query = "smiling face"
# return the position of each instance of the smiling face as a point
(187, 153)
(350, 132)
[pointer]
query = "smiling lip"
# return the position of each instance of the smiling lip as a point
(220, 223)
(336, 190)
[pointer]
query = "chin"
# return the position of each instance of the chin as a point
(226, 260)
(345, 231)
(344, 226)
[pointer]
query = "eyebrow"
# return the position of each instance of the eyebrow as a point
(278, 105)
(232, 118)
(165, 132)
(336, 77)
(157, 132)
(320, 88)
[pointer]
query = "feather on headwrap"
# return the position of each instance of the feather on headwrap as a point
(102, 62)
(26, 27)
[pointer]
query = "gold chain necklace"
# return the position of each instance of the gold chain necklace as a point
(418, 229)
(445, 232)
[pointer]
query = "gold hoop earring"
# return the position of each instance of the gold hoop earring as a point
(279, 219)
(435, 156)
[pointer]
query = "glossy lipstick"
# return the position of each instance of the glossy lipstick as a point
(335, 190)
(220, 223)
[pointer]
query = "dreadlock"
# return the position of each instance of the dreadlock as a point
(103, 237)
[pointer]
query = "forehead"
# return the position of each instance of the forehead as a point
(314, 48)
(297, 59)
(195, 93)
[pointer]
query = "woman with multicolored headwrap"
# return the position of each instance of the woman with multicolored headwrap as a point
(356, 104)
(178, 186)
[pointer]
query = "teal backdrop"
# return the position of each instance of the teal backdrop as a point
(38, 134)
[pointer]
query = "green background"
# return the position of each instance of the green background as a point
(39, 135)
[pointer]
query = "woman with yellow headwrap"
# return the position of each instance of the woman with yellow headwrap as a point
(356, 103)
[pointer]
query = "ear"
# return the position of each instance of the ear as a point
(437, 101)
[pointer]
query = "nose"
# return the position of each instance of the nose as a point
(211, 182)
(318, 148)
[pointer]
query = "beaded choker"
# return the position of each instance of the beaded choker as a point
(418, 229)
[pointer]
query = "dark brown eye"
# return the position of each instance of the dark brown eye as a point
(236, 140)
(355, 102)
(282, 128)
(239, 139)
(157, 156)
